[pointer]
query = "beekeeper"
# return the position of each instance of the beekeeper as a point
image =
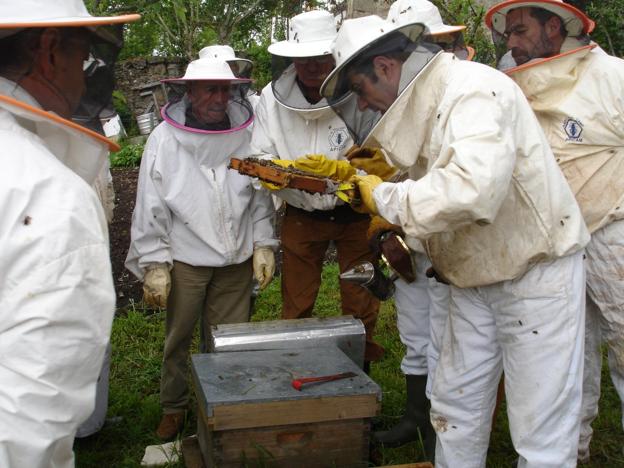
(56, 289)
(293, 121)
(200, 231)
(576, 91)
(449, 37)
(422, 306)
(499, 223)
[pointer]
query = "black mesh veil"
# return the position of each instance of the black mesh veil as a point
(414, 51)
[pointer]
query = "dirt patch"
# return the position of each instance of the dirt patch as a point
(127, 287)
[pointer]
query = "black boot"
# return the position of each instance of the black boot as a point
(415, 424)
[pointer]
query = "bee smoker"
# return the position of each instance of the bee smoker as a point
(396, 255)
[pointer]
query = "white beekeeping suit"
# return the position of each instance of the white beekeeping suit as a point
(292, 121)
(498, 221)
(422, 306)
(577, 96)
(56, 290)
(200, 231)
(287, 125)
(207, 214)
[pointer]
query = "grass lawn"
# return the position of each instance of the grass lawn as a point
(135, 374)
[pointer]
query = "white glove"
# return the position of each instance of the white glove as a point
(308, 201)
(263, 265)
(156, 285)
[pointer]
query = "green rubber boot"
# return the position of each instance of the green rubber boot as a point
(415, 424)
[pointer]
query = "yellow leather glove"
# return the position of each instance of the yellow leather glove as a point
(281, 163)
(263, 266)
(365, 186)
(372, 161)
(319, 165)
(156, 285)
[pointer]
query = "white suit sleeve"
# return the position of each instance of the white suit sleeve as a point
(262, 215)
(151, 220)
(105, 190)
(470, 179)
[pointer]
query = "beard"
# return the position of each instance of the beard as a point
(543, 48)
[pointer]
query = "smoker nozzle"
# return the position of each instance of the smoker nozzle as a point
(372, 278)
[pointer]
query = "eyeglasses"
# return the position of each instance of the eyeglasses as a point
(92, 64)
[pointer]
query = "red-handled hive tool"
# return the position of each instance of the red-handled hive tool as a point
(298, 383)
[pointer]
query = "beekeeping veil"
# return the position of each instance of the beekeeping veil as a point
(359, 41)
(207, 99)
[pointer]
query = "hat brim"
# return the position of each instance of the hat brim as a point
(563, 10)
(412, 31)
(75, 21)
(302, 49)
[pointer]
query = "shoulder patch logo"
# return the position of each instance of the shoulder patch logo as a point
(573, 129)
(338, 138)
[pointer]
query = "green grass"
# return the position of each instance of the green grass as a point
(135, 373)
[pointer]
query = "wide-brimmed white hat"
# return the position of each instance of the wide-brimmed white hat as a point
(358, 35)
(574, 20)
(420, 11)
(225, 52)
(310, 34)
(208, 69)
(16, 15)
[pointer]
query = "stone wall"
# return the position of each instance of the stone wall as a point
(138, 77)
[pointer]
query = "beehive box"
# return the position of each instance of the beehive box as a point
(251, 416)
(346, 332)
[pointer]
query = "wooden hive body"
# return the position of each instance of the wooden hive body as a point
(251, 416)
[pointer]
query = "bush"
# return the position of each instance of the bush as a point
(128, 156)
(259, 54)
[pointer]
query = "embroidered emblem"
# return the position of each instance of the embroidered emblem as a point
(573, 129)
(338, 138)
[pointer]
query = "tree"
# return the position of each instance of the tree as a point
(609, 32)
(470, 13)
(182, 27)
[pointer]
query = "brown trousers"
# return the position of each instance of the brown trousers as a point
(304, 242)
(216, 295)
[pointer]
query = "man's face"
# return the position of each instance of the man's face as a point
(312, 71)
(69, 79)
(376, 94)
(209, 100)
(526, 37)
